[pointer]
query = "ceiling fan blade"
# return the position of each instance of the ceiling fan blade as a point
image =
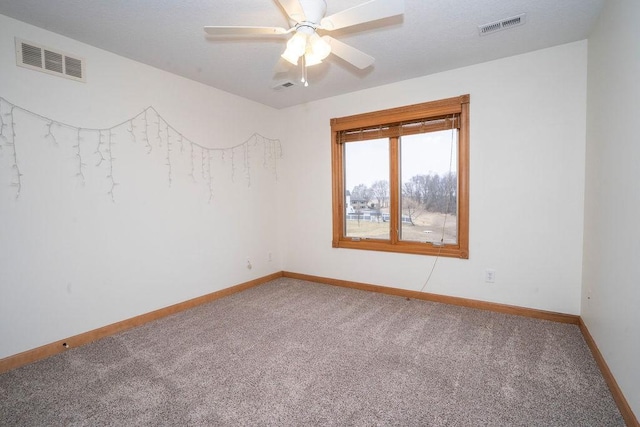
(365, 12)
(348, 53)
(244, 31)
(293, 8)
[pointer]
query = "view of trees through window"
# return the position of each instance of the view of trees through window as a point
(428, 187)
(367, 174)
(400, 179)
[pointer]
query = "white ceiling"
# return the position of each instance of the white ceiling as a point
(432, 36)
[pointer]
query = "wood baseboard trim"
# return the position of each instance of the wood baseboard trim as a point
(47, 350)
(628, 415)
(464, 302)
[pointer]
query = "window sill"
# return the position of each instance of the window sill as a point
(414, 248)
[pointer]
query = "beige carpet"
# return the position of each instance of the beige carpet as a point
(297, 353)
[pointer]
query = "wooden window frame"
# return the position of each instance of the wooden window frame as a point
(386, 120)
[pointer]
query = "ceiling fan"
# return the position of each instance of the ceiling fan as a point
(309, 17)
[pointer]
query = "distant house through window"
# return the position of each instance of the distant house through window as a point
(400, 179)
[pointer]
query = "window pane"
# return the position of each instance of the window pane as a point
(366, 169)
(428, 199)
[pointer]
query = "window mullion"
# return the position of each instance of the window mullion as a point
(394, 189)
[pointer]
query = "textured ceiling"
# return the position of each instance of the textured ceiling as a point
(432, 36)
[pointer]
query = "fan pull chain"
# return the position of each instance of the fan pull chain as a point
(303, 79)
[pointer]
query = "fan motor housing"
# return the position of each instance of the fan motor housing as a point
(314, 10)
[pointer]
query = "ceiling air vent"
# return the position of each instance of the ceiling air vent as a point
(37, 57)
(503, 24)
(283, 85)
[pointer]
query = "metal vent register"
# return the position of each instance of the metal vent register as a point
(51, 61)
(503, 24)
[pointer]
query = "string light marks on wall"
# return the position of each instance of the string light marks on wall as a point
(210, 180)
(202, 164)
(110, 166)
(272, 149)
(98, 151)
(131, 131)
(181, 142)
(8, 139)
(145, 135)
(78, 154)
(3, 125)
(158, 136)
(193, 162)
(246, 164)
(51, 135)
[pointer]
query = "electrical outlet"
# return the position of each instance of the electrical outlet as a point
(490, 275)
(270, 257)
(249, 266)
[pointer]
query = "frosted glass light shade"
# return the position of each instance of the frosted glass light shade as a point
(297, 43)
(290, 56)
(312, 46)
(296, 47)
(320, 48)
(310, 59)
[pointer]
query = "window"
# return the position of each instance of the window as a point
(401, 179)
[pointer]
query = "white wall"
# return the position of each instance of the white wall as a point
(527, 183)
(71, 260)
(611, 291)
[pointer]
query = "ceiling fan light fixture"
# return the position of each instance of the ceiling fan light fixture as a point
(319, 47)
(310, 16)
(296, 47)
(312, 47)
(310, 59)
(298, 43)
(290, 56)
